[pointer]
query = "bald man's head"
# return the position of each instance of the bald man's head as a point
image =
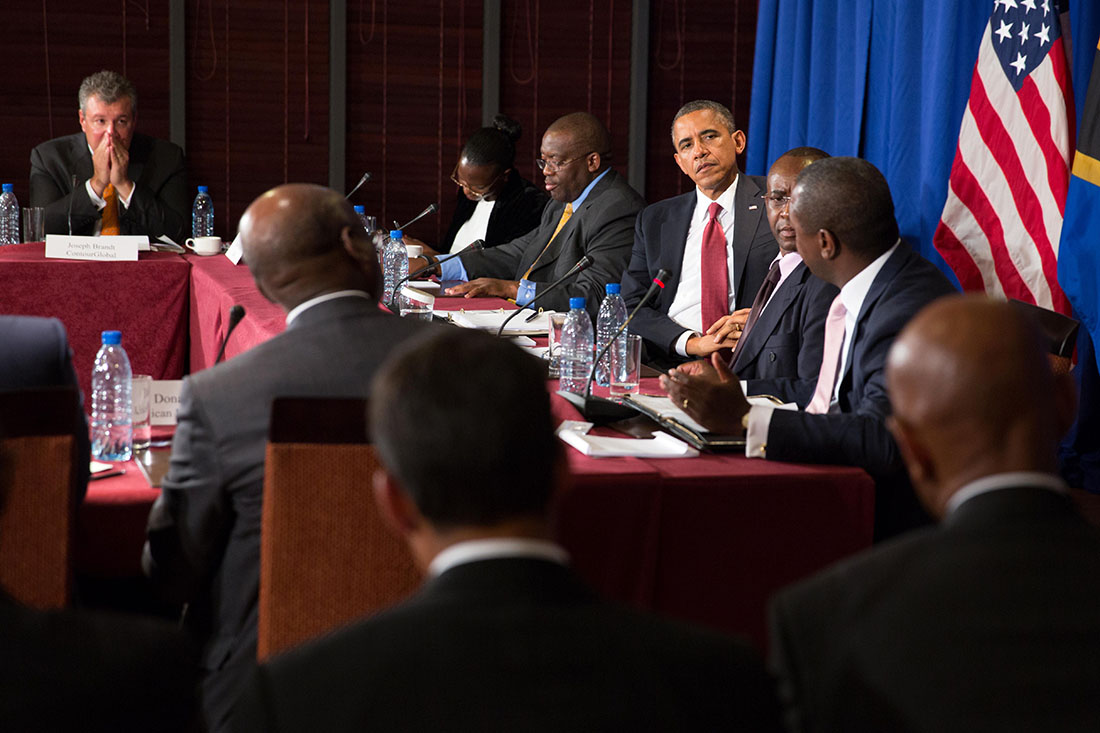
(780, 183)
(301, 240)
(575, 149)
(973, 395)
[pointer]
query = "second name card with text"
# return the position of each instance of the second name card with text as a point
(118, 248)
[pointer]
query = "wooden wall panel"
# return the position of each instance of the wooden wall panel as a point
(257, 99)
(697, 50)
(48, 47)
(414, 96)
(562, 56)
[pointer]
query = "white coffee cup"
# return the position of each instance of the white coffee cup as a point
(205, 245)
(415, 250)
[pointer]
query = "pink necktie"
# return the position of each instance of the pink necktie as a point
(713, 270)
(830, 359)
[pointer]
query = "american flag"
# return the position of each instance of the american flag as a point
(1002, 222)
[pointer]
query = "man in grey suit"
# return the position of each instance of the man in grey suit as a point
(988, 621)
(308, 253)
(125, 182)
(591, 212)
(503, 635)
(694, 315)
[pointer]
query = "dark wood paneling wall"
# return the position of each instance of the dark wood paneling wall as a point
(414, 95)
(697, 50)
(257, 85)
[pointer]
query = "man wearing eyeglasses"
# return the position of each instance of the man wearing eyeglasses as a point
(591, 212)
(715, 241)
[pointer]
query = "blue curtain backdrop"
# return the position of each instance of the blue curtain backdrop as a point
(887, 81)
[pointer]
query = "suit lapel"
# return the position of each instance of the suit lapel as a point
(574, 227)
(878, 288)
(748, 210)
(674, 234)
(138, 157)
(784, 296)
(82, 159)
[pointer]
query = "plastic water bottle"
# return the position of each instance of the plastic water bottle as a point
(366, 221)
(395, 265)
(576, 348)
(112, 418)
(612, 315)
(202, 214)
(9, 216)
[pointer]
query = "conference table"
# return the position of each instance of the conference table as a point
(706, 539)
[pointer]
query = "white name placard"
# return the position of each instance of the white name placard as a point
(235, 251)
(119, 248)
(165, 401)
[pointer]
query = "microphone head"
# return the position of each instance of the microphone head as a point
(476, 246)
(662, 275)
(236, 313)
(366, 177)
(583, 263)
(432, 208)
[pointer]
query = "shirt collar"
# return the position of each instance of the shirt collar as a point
(787, 264)
(1010, 480)
(588, 189)
(725, 200)
(303, 307)
(494, 549)
(854, 292)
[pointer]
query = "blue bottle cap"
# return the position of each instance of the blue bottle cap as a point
(395, 234)
(612, 288)
(360, 210)
(203, 189)
(112, 337)
(8, 187)
(576, 303)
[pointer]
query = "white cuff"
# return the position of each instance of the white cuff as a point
(756, 437)
(99, 201)
(682, 343)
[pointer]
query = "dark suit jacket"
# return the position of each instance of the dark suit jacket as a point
(204, 530)
(986, 623)
(660, 236)
(67, 671)
(517, 211)
(34, 352)
(787, 340)
(511, 644)
(857, 434)
(158, 206)
(601, 227)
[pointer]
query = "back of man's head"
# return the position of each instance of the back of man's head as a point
(973, 395)
(301, 240)
(850, 198)
(462, 421)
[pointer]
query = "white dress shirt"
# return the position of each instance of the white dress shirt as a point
(475, 227)
(687, 307)
(493, 549)
(303, 307)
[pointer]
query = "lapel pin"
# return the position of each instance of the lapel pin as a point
(752, 208)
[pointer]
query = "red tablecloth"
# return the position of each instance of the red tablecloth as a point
(707, 539)
(146, 300)
(216, 286)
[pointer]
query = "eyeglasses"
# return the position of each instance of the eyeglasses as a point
(558, 165)
(474, 193)
(775, 200)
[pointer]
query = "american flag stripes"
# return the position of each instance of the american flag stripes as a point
(1002, 221)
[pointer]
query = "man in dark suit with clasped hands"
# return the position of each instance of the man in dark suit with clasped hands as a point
(591, 212)
(843, 218)
(987, 622)
(126, 182)
(307, 252)
(714, 241)
(503, 635)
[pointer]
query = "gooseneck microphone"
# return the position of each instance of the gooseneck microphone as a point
(582, 264)
(658, 284)
(476, 245)
(430, 210)
(236, 314)
(72, 193)
(366, 177)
